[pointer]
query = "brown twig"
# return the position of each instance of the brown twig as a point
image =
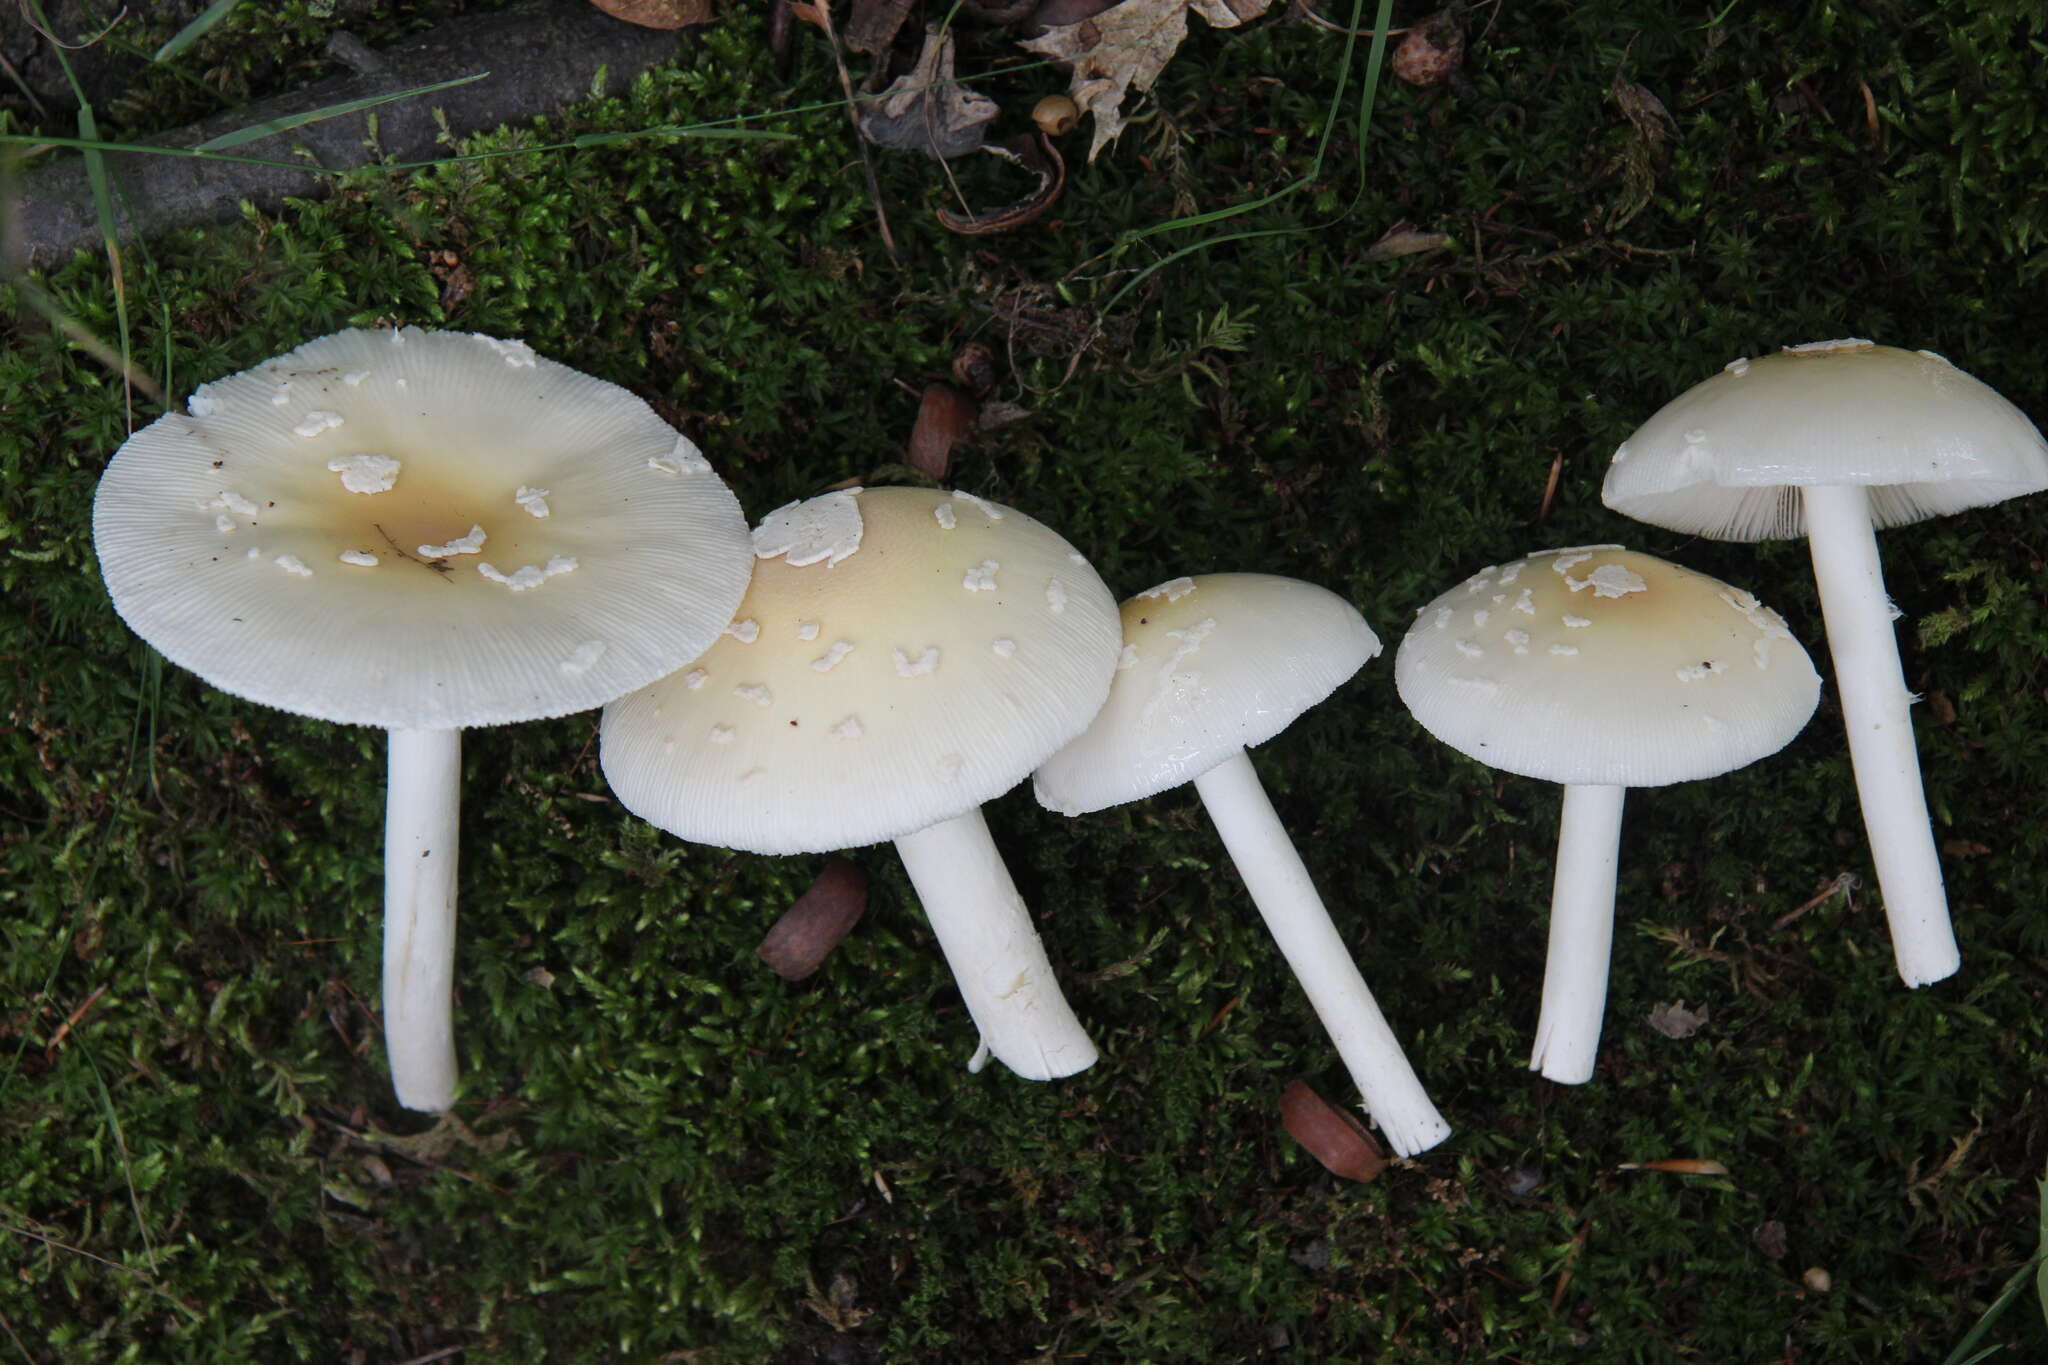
(1843, 885)
(64, 1029)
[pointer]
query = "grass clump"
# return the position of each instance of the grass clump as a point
(664, 1153)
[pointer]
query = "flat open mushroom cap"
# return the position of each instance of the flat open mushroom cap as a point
(1211, 665)
(1599, 666)
(1726, 458)
(902, 656)
(419, 530)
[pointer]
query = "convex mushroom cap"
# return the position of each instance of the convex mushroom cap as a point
(1600, 666)
(1726, 457)
(902, 656)
(1210, 667)
(419, 530)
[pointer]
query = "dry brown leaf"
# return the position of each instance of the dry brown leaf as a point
(817, 921)
(924, 111)
(1125, 47)
(658, 13)
(1674, 1020)
(837, 1308)
(871, 25)
(1402, 239)
(1332, 1136)
(945, 418)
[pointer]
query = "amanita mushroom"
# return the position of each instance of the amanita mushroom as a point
(1832, 440)
(1213, 666)
(419, 531)
(1601, 669)
(901, 657)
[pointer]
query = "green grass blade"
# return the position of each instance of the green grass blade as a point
(194, 31)
(287, 121)
(1966, 1352)
(606, 139)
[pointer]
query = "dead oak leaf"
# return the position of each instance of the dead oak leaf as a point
(1125, 47)
(1674, 1020)
(924, 110)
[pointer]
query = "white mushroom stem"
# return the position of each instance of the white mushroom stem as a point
(994, 949)
(1875, 710)
(1581, 934)
(422, 811)
(1300, 925)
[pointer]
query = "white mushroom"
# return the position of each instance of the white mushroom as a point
(1666, 675)
(371, 496)
(874, 703)
(1832, 440)
(1214, 666)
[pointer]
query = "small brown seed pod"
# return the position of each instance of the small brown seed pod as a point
(1056, 115)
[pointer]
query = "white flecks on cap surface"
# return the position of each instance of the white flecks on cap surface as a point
(663, 563)
(693, 680)
(313, 423)
(756, 693)
(231, 501)
(824, 530)
(1737, 367)
(1173, 589)
(1268, 648)
(584, 657)
(354, 378)
(1925, 438)
(1055, 596)
(927, 687)
(365, 473)
(982, 505)
(807, 630)
(848, 727)
(943, 514)
(1004, 647)
(198, 403)
(721, 734)
(982, 577)
(534, 500)
(472, 542)
(517, 354)
(682, 457)
(1127, 658)
(293, 565)
(1611, 697)
(223, 523)
(829, 660)
(529, 576)
(923, 664)
(362, 559)
(746, 630)
(282, 396)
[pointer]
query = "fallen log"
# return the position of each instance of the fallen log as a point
(540, 57)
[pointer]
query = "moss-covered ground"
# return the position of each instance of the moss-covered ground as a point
(666, 1153)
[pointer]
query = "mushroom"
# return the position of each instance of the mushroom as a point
(419, 531)
(1601, 669)
(1832, 440)
(902, 656)
(1213, 666)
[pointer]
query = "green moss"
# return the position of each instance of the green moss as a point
(675, 1152)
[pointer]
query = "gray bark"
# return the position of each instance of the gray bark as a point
(540, 57)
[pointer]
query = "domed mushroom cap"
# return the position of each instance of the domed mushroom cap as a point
(1210, 666)
(902, 656)
(1725, 458)
(1600, 666)
(419, 530)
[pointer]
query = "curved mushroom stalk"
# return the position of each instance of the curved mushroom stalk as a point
(422, 814)
(1581, 934)
(1300, 924)
(994, 950)
(1875, 711)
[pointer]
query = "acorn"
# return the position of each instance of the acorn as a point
(1056, 115)
(1433, 51)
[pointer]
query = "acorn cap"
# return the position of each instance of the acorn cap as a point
(902, 656)
(419, 530)
(1600, 666)
(1210, 666)
(1724, 459)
